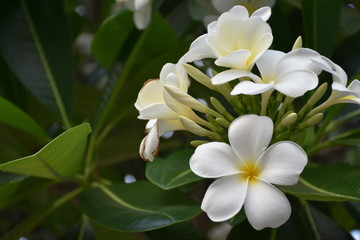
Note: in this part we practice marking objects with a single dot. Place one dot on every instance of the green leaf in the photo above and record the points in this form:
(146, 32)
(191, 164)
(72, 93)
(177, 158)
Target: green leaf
(173, 171)
(12, 192)
(333, 182)
(36, 44)
(111, 36)
(12, 115)
(321, 20)
(136, 207)
(59, 159)
(103, 233)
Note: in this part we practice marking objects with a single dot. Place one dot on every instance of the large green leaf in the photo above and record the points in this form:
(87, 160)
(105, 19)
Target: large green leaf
(136, 207)
(59, 159)
(12, 115)
(111, 36)
(321, 20)
(173, 171)
(36, 44)
(334, 182)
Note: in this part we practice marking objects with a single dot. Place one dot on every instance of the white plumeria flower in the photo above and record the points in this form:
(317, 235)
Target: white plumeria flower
(150, 102)
(142, 11)
(292, 74)
(251, 5)
(235, 40)
(152, 106)
(247, 170)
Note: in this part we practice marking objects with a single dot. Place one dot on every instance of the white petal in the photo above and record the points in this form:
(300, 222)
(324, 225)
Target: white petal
(199, 49)
(142, 16)
(224, 198)
(149, 94)
(354, 86)
(266, 206)
(228, 75)
(264, 13)
(237, 13)
(282, 163)
(296, 83)
(339, 75)
(259, 49)
(157, 110)
(249, 136)
(236, 60)
(251, 88)
(178, 107)
(213, 160)
(175, 75)
(299, 59)
(268, 61)
(149, 145)
(168, 125)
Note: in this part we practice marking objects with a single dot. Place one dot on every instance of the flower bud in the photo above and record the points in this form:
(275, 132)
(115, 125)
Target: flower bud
(197, 143)
(312, 120)
(297, 43)
(194, 128)
(199, 76)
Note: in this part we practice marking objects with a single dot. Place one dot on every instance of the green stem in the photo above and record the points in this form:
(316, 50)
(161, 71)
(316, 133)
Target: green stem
(82, 227)
(264, 101)
(311, 220)
(46, 66)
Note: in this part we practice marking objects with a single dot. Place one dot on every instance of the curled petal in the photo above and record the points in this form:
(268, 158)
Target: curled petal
(296, 83)
(282, 163)
(339, 75)
(175, 75)
(264, 13)
(231, 74)
(168, 125)
(251, 88)
(199, 49)
(249, 136)
(224, 198)
(150, 93)
(266, 206)
(157, 110)
(236, 60)
(213, 160)
(299, 59)
(149, 145)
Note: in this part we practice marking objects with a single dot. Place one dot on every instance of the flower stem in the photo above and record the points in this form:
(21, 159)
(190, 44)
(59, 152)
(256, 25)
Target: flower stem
(264, 101)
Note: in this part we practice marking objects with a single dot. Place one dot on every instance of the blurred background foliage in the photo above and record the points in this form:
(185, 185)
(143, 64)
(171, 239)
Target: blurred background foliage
(64, 63)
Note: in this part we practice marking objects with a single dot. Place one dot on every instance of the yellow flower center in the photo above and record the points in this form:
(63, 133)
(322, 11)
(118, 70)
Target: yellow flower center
(250, 171)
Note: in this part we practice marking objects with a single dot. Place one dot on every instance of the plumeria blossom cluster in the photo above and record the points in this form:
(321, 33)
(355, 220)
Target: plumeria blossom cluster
(247, 129)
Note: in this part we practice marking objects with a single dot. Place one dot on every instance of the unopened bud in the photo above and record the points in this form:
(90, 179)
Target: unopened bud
(312, 120)
(289, 119)
(197, 143)
(189, 101)
(198, 76)
(222, 122)
(297, 43)
(318, 94)
(221, 109)
(194, 128)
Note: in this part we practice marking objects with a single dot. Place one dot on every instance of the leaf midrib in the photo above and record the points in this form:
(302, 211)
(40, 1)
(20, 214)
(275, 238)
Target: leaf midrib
(46, 66)
(309, 185)
(120, 201)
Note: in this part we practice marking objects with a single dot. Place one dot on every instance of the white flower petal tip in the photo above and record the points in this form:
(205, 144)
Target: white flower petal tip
(149, 145)
(246, 169)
